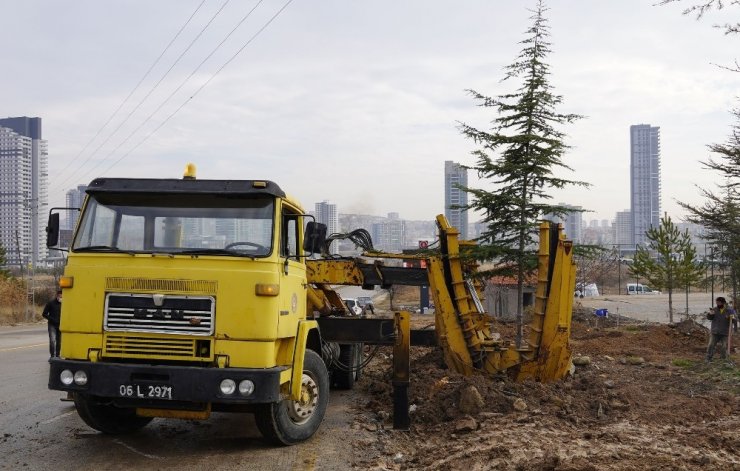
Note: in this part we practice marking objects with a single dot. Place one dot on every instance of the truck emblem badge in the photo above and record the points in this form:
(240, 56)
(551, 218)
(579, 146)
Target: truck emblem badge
(195, 321)
(158, 299)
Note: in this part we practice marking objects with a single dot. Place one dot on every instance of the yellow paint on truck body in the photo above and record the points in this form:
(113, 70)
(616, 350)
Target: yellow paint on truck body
(251, 331)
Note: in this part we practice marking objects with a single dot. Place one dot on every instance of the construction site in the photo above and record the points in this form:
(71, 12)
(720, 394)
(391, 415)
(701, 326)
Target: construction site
(641, 397)
(399, 387)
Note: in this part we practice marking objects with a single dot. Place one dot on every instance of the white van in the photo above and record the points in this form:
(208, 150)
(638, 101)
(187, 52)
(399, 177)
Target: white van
(636, 288)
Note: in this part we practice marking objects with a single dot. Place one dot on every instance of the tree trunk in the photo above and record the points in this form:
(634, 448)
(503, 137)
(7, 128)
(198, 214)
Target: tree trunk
(520, 269)
(687, 301)
(670, 305)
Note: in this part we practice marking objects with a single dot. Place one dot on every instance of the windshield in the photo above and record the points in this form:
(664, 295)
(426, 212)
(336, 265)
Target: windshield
(187, 224)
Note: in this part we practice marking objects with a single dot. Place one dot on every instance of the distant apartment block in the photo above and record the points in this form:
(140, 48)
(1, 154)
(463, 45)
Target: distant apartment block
(644, 180)
(390, 235)
(326, 213)
(572, 222)
(623, 228)
(698, 234)
(74, 199)
(23, 190)
(455, 176)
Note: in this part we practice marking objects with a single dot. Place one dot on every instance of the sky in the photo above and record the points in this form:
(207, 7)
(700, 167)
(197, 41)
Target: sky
(359, 102)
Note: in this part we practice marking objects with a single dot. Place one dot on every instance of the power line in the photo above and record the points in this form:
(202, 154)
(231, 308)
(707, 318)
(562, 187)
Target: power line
(125, 100)
(151, 90)
(182, 84)
(202, 86)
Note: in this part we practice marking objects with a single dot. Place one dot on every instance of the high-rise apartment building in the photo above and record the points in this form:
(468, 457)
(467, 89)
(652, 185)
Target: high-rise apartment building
(74, 199)
(644, 180)
(572, 222)
(456, 176)
(23, 190)
(390, 235)
(623, 228)
(326, 213)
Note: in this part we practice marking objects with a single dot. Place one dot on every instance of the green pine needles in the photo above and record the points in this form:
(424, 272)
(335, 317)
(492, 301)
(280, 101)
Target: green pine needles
(519, 157)
(669, 261)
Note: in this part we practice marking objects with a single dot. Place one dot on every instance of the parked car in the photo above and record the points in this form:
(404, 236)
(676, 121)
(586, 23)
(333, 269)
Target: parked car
(354, 307)
(637, 288)
(366, 303)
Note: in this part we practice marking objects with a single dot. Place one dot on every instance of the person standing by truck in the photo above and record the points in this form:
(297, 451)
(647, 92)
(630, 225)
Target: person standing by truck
(53, 313)
(722, 316)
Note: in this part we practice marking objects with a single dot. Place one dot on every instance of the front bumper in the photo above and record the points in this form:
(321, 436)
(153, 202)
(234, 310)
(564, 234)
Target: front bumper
(188, 384)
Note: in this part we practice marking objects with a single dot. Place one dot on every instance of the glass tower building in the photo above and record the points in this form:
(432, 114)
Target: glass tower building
(644, 180)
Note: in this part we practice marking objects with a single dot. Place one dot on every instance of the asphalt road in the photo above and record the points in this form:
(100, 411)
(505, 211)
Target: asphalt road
(39, 432)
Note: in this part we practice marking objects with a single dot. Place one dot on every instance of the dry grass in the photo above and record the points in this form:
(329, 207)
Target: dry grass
(13, 305)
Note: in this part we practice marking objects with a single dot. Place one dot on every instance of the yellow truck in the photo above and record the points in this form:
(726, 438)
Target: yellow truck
(186, 296)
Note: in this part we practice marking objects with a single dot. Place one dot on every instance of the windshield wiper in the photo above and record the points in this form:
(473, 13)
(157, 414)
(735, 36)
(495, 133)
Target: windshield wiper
(232, 253)
(101, 248)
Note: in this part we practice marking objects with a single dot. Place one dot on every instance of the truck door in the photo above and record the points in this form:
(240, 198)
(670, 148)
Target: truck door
(292, 272)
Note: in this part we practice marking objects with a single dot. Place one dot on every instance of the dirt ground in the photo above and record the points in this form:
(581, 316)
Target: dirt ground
(647, 400)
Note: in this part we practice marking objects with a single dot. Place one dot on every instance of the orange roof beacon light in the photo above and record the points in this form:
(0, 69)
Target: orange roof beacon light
(189, 172)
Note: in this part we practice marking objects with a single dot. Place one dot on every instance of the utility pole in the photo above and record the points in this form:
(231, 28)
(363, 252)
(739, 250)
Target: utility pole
(711, 260)
(619, 268)
(18, 251)
(637, 275)
(706, 281)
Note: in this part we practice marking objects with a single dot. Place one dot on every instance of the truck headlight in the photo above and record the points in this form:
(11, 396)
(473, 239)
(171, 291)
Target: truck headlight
(66, 377)
(80, 378)
(228, 386)
(246, 387)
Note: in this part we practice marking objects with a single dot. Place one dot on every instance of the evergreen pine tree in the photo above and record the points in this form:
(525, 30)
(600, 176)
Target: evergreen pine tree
(519, 158)
(675, 265)
(720, 213)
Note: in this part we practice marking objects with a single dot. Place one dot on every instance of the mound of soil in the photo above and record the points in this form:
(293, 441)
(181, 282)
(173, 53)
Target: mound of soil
(646, 400)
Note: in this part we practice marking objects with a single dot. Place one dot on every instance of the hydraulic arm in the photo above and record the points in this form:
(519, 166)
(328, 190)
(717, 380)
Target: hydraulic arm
(464, 330)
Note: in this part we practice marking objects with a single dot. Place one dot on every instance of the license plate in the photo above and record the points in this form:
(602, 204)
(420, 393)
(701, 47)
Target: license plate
(146, 391)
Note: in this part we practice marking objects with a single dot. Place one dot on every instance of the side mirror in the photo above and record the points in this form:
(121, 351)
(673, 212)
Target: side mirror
(52, 230)
(314, 237)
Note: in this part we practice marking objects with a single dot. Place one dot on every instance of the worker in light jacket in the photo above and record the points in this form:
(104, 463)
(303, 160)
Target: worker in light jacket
(723, 317)
(53, 314)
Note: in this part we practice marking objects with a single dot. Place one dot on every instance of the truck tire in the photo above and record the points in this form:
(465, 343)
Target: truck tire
(107, 418)
(359, 358)
(288, 422)
(349, 355)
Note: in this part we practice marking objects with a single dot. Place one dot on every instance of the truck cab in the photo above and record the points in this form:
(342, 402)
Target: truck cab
(186, 296)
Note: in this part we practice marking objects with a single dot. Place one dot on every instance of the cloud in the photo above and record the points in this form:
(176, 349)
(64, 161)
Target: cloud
(358, 102)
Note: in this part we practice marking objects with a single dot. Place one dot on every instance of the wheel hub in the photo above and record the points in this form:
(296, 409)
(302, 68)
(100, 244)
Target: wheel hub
(300, 411)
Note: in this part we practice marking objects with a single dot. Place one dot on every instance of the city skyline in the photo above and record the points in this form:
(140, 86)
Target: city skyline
(23, 190)
(387, 117)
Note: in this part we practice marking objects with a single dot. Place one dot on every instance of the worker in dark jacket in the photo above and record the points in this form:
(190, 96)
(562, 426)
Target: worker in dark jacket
(53, 313)
(722, 316)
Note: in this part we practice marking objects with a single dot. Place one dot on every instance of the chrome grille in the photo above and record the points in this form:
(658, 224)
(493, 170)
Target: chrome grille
(117, 345)
(170, 314)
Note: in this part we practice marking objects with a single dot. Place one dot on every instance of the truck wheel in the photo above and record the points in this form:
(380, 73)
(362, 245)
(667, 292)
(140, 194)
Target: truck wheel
(288, 422)
(353, 356)
(359, 358)
(348, 356)
(107, 418)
